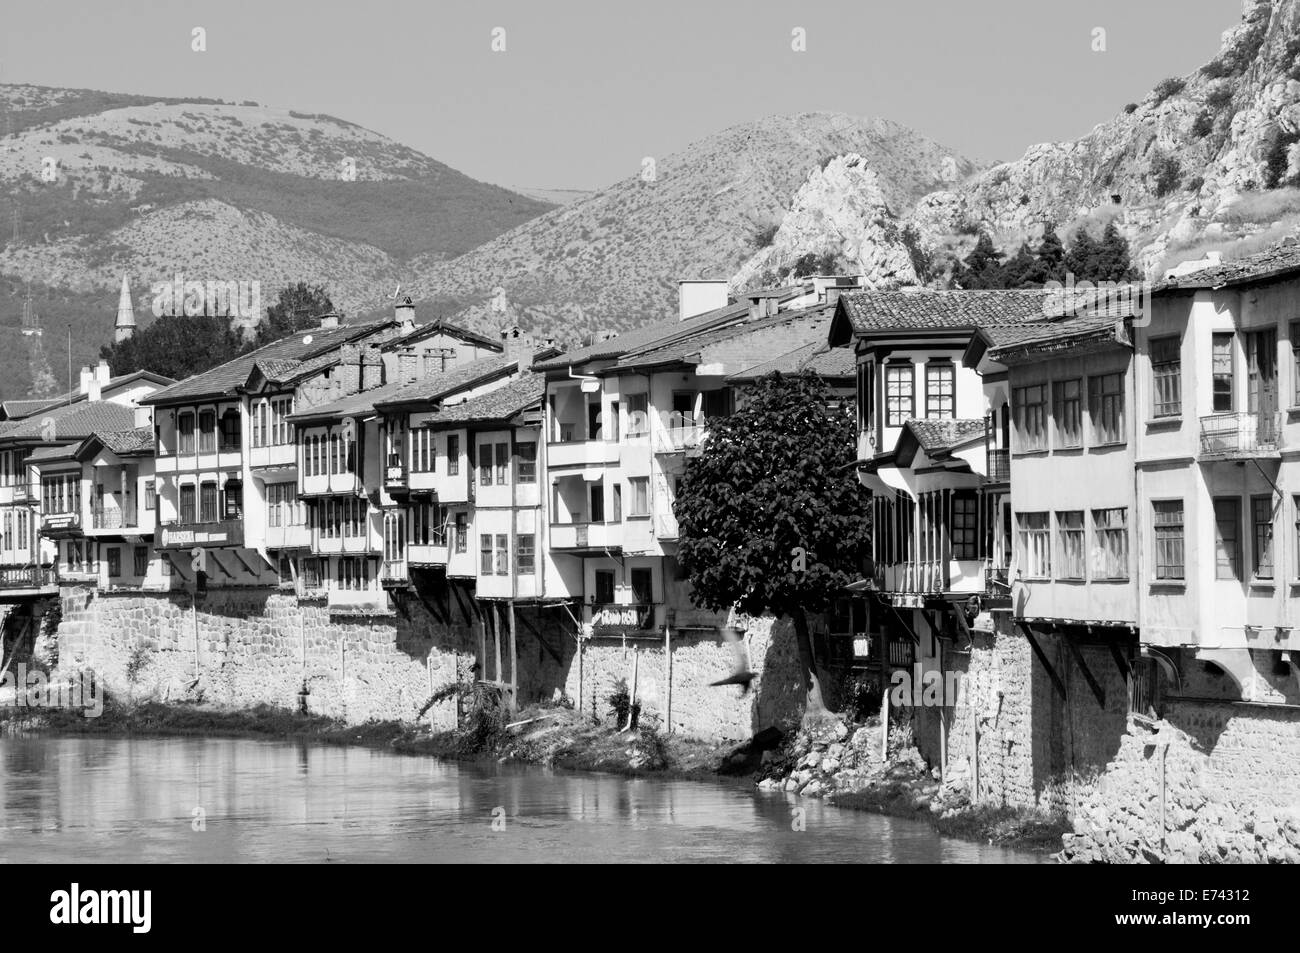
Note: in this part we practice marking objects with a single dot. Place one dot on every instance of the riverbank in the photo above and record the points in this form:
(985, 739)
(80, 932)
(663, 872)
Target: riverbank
(842, 767)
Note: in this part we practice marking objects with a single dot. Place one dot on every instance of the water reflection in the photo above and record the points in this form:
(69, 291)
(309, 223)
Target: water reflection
(140, 800)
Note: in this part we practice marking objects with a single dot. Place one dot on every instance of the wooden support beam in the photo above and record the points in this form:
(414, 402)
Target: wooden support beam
(1042, 657)
(1121, 662)
(514, 659)
(1097, 690)
(934, 630)
(903, 622)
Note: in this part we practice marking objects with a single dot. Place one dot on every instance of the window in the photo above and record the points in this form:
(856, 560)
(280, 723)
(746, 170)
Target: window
(1069, 528)
(1067, 413)
(1029, 409)
(353, 573)
(141, 555)
(866, 395)
(1035, 545)
(485, 554)
(281, 504)
(640, 489)
(642, 586)
(234, 500)
(453, 454)
(900, 398)
(503, 554)
(1166, 377)
(503, 463)
(185, 428)
(423, 450)
(207, 431)
(965, 525)
(1168, 524)
(604, 586)
(1227, 549)
(208, 503)
(1295, 362)
(261, 432)
(485, 464)
(230, 430)
(1110, 544)
(188, 514)
(1106, 408)
(462, 531)
(939, 393)
(718, 403)
(9, 530)
(638, 415)
(150, 496)
(1261, 522)
(526, 467)
(279, 430)
(1221, 372)
(114, 561)
(525, 554)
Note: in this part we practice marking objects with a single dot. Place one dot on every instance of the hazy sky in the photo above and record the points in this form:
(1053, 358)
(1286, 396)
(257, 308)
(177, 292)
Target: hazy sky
(584, 90)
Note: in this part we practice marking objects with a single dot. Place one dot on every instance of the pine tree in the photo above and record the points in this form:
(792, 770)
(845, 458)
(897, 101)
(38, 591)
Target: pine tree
(1081, 260)
(1113, 262)
(1050, 263)
(1019, 269)
(982, 267)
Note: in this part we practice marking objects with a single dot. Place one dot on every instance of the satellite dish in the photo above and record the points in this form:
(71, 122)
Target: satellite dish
(307, 339)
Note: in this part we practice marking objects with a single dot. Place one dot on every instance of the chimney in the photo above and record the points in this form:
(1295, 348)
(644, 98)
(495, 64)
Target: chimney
(404, 312)
(86, 378)
(330, 319)
(698, 297)
(519, 346)
(102, 373)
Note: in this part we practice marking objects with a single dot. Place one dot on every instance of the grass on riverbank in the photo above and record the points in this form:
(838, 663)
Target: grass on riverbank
(1021, 828)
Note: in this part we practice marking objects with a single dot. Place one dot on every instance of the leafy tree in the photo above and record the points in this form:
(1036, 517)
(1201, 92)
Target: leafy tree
(1019, 269)
(982, 267)
(770, 518)
(176, 345)
(298, 309)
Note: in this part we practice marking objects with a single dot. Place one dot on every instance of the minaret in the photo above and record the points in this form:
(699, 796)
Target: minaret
(125, 326)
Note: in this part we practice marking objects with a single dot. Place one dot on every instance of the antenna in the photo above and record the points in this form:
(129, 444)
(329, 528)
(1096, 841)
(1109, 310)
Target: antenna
(69, 365)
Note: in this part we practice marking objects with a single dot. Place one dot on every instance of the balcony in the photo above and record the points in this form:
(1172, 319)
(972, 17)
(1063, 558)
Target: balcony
(291, 536)
(666, 526)
(112, 517)
(578, 537)
(432, 555)
(686, 437)
(1238, 436)
(392, 572)
(999, 466)
(178, 535)
(586, 453)
(27, 578)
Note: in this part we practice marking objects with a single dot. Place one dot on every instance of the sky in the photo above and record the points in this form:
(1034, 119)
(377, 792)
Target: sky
(584, 90)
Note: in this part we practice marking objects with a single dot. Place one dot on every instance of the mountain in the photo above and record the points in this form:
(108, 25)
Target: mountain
(97, 185)
(1205, 161)
(611, 260)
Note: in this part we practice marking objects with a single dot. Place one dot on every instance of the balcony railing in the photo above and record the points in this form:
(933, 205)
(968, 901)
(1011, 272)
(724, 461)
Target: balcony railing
(666, 526)
(999, 466)
(111, 517)
(28, 577)
(1238, 435)
(686, 436)
(178, 535)
(393, 571)
(586, 536)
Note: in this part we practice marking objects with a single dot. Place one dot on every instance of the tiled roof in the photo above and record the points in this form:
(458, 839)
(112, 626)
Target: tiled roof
(501, 404)
(1050, 334)
(17, 409)
(685, 347)
(55, 451)
(439, 326)
(869, 311)
(816, 357)
(937, 436)
(660, 333)
(71, 422)
(127, 442)
(300, 346)
(1278, 260)
(431, 389)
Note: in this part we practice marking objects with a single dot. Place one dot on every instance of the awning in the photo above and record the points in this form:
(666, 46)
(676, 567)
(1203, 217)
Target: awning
(899, 479)
(872, 482)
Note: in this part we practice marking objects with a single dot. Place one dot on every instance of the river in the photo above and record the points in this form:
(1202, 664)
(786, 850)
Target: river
(217, 800)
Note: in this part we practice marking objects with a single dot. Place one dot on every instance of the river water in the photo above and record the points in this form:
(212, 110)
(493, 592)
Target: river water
(125, 800)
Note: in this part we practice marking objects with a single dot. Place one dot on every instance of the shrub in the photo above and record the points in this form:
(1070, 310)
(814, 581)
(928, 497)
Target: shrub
(1194, 184)
(1130, 109)
(764, 237)
(1166, 172)
(484, 724)
(136, 662)
(1168, 87)
(1219, 96)
(1203, 125)
(620, 703)
(1276, 158)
